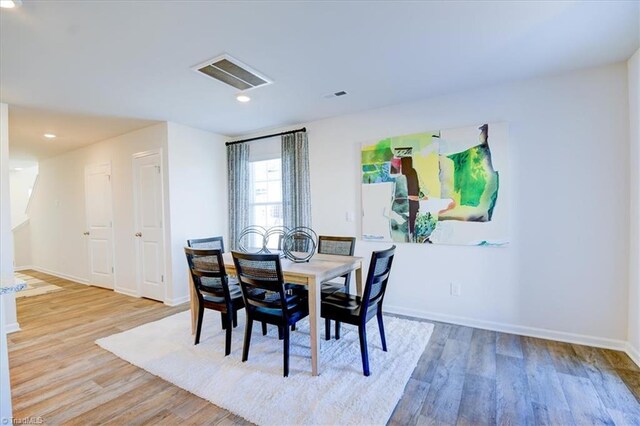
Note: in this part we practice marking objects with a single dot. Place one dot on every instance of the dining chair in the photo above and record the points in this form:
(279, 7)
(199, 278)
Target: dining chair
(213, 290)
(218, 243)
(213, 243)
(283, 304)
(343, 246)
(355, 310)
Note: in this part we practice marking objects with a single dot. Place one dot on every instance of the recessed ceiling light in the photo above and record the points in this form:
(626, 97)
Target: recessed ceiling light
(49, 136)
(241, 97)
(17, 169)
(10, 4)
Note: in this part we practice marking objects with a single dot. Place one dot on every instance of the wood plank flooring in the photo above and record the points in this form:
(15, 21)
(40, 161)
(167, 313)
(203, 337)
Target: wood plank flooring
(464, 376)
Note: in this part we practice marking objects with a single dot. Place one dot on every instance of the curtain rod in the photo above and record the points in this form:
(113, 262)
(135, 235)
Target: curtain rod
(304, 129)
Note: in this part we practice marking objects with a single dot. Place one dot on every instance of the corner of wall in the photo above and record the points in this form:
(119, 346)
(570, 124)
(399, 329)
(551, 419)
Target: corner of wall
(633, 325)
(633, 353)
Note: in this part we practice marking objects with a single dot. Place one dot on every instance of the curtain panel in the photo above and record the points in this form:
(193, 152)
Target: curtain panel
(238, 170)
(296, 194)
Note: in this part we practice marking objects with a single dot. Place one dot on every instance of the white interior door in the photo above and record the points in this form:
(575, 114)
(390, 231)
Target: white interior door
(149, 235)
(99, 230)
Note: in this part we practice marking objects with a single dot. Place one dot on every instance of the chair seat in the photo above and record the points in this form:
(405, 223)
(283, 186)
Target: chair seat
(329, 288)
(296, 300)
(341, 306)
(345, 307)
(274, 316)
(296, 289)
(342, 301)
(234, 292)
(291, 298)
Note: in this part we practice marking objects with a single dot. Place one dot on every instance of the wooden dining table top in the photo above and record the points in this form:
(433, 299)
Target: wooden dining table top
(321, 266)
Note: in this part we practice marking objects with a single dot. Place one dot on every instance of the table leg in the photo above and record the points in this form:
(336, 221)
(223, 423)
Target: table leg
(314, 324)
(193, 304)
(359, 280)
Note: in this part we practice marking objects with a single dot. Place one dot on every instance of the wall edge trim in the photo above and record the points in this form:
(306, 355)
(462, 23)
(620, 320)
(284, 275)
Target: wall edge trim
(61, 275)
(178, 301)
(23, 268)
(561, 336)
(126, 292)
(12, 328)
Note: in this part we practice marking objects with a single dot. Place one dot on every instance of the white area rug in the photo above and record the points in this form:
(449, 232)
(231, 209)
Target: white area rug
(256, 389)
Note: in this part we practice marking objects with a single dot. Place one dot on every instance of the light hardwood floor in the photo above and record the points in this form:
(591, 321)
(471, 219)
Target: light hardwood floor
(465, 375)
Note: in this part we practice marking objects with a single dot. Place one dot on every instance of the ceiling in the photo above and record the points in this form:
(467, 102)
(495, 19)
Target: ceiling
(88, 71)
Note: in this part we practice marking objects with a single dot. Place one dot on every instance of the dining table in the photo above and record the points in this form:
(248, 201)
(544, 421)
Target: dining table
(312, 273)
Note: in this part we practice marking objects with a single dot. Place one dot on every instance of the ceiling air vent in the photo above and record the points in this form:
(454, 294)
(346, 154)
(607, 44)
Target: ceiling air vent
(334, 95)
(233, 72)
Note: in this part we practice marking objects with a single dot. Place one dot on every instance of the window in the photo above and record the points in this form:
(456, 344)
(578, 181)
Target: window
(266, 195)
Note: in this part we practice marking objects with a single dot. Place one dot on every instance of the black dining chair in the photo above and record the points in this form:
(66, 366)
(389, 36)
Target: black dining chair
(218, 243)
(342, 246)
(355, 310)
(214, 243)
(213, 290)
(282, 305)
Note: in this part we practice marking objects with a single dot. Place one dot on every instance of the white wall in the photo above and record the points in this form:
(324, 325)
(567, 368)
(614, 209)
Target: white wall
(22, 246)
(634, 246)
(21, 181)
(7, 301)
(198, 194)
(564, 275)
(57, 211)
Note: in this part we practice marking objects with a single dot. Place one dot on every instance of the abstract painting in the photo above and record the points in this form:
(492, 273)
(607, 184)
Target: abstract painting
(443, 187)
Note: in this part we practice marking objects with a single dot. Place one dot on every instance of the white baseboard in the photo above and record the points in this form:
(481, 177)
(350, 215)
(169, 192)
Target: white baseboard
(633, 353)
(11, 328)
(178, 301)
(561, 336)
(23, 268)
(126, 292)
(61, 275)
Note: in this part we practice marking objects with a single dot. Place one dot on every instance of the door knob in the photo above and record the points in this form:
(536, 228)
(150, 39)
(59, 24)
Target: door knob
(138, 234)
(86, 233)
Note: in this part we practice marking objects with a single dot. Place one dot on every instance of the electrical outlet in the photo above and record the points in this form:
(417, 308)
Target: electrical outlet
(456, 289)
(350, 216)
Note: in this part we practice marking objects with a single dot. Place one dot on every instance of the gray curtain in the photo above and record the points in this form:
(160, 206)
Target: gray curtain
(239, 182)
(296, 197)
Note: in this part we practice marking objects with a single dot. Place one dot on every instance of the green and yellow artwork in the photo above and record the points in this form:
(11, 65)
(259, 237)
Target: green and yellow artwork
(436, 187)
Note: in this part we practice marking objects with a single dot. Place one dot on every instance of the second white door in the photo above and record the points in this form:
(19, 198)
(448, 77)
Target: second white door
(99, 231)
(149, 235)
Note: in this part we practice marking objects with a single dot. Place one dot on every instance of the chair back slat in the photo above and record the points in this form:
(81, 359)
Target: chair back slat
(377, 279)
(380, 275)
(207, 243)
(343, 246)
(208, 272)
(298, 243)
